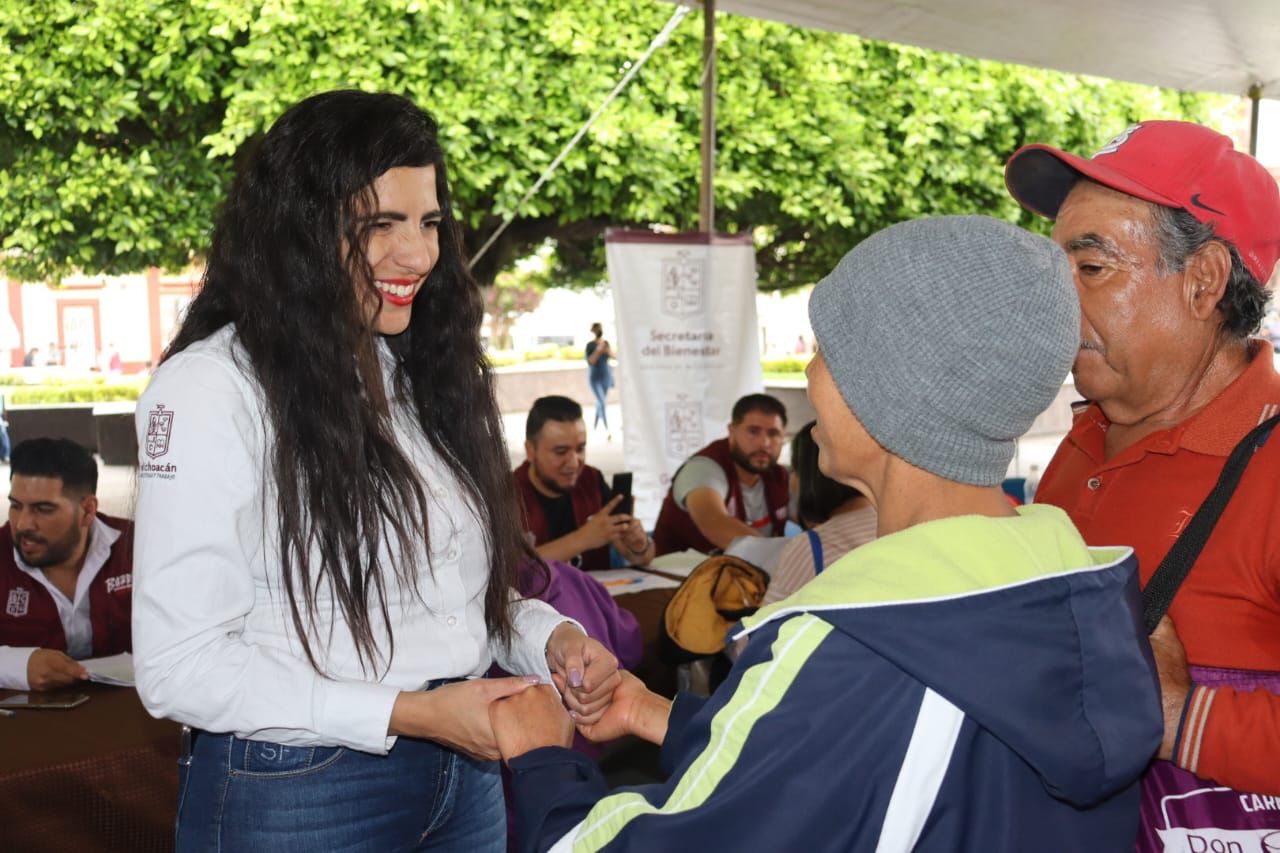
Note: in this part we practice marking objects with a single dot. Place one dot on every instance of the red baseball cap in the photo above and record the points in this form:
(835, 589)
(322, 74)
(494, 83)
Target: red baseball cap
(1171, 163)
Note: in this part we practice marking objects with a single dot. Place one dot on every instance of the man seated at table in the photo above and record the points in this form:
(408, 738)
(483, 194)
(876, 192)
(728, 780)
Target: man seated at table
(732, 487)
(568, 509)
(66, 570)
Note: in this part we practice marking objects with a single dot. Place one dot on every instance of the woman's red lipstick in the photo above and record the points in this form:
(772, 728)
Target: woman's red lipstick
(397, 299)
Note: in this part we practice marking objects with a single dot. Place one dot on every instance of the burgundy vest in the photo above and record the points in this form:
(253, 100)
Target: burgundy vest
(30, 616)
(675, 530)
(586, 497)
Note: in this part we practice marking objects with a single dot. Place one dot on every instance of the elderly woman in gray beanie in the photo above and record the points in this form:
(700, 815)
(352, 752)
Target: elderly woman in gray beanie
(974, 679)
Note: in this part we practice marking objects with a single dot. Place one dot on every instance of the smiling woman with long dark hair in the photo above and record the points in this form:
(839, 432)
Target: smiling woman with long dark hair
(326, 533)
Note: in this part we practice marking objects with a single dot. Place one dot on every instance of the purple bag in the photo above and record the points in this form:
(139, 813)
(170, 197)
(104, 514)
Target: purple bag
(1184, 813)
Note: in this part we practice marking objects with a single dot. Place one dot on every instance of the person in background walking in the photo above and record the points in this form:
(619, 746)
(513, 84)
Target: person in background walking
(599, 375)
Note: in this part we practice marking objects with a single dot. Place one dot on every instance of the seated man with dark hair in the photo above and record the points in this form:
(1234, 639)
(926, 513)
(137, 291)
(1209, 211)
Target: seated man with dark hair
(568, 509)
(732, 487)
(66, 571)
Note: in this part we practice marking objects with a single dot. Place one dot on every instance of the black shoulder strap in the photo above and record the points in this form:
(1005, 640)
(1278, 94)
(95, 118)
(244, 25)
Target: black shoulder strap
(1173, 569)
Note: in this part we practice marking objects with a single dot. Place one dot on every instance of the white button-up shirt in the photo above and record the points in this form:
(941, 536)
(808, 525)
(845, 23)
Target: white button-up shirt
(213, 639)
(74, 615)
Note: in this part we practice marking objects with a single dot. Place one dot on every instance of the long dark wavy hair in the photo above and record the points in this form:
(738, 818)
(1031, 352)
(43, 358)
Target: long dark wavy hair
(279, 272)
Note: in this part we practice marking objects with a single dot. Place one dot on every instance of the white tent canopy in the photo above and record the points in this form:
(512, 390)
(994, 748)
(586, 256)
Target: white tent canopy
(1222, 46)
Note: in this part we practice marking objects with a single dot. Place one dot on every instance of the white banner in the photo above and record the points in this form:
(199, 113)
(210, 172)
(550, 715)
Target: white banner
(685, 314)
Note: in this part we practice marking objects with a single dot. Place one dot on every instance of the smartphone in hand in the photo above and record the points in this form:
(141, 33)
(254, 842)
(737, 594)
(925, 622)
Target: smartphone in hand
(622, 486)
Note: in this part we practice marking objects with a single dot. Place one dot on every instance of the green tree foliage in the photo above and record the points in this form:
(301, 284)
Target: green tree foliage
(103, 110)
(121, 122)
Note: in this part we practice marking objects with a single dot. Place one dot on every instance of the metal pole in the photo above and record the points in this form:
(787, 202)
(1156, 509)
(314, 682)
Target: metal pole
(706, 200)
(1255, 95)
(658, 41)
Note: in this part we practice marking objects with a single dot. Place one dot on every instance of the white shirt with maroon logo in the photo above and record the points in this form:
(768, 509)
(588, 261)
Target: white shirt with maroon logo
(213, 638)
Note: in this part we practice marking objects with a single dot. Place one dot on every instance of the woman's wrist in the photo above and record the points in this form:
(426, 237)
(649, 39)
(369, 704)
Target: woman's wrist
(551, 638)
(410, 715)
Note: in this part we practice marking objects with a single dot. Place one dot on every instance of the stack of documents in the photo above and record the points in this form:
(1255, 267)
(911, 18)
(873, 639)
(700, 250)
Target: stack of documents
(117, 669)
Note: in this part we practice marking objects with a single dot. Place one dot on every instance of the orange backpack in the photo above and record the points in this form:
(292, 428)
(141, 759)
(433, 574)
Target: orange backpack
(716, 594)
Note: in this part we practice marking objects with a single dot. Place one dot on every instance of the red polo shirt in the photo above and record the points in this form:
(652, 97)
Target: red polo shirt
(1227, 612)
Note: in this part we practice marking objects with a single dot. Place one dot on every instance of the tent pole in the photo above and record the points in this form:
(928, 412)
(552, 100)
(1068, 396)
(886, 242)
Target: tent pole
(1255, 95)
(706, 194)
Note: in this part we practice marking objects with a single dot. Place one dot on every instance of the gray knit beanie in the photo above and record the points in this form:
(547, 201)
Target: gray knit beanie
(947, 337)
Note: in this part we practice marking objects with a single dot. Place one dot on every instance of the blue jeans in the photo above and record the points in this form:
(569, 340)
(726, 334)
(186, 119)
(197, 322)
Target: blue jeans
(601, 390)
(242, 795)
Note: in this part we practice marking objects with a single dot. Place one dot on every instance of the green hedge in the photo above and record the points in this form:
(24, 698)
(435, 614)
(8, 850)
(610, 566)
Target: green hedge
(789, 364)
(93, 392)
(18, 380)
(504, 358)
(548, 352)
(543, 352)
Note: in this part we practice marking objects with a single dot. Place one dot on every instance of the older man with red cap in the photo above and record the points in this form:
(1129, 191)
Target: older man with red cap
(1172, 236)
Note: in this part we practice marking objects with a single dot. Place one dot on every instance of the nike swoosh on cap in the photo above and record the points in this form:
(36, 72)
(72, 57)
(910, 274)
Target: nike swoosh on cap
(1195, 200)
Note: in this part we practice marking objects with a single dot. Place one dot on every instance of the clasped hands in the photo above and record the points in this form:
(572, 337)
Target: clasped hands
(536, 718)
(457, 715)
(542, 715)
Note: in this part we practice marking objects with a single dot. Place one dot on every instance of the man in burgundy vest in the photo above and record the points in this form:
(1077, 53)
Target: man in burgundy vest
(732, 487)
(568, 509)
(66, 572)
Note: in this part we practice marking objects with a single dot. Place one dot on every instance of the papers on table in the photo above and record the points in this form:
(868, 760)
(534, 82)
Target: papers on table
(678, 563)
(626, 581)
(117, 669)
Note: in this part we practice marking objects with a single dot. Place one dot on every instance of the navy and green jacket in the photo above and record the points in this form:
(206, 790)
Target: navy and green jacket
(966, 684)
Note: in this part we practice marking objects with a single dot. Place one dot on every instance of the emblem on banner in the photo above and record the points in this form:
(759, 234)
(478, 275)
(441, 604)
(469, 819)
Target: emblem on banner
(684, 427)
(159, 428)
(19, 598)
(683, 282)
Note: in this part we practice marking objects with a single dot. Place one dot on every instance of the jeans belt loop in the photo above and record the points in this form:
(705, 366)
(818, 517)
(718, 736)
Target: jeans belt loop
(186, 741)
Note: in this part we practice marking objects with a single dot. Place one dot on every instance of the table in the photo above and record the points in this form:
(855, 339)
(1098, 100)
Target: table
(648, 606)
(100, 777)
